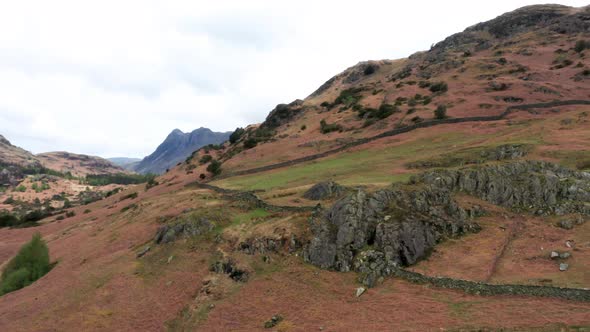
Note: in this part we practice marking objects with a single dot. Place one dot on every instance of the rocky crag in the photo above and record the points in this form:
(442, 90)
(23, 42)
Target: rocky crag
(374, 234)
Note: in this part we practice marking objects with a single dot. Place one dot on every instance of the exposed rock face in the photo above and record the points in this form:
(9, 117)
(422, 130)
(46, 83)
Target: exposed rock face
(10, 176)
(177, 147)
(186, 228)
(324, 190)
(373, 234)
(270, 244)
(535, 186)
(229, 267)
(282, 113)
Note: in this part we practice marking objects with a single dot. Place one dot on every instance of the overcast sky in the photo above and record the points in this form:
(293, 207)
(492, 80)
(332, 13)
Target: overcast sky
(113, 78)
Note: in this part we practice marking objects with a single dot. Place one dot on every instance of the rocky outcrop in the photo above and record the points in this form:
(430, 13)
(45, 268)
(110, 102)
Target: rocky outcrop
(539, 187)
(282, 114)
(324, 190)
(183, 228)
(230, 267)
(375, 233)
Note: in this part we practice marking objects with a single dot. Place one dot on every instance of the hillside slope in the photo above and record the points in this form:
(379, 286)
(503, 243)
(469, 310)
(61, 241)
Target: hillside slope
(177, 147)
(477, 217)
(78, 164)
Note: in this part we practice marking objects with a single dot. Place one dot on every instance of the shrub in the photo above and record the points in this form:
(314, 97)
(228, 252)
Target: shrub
(236, 135)
(439, 87)
(581, 45)
(152, 183)
(329, 127)
(427, 100)
(21, 188)
(7, 219)
(9, 200)
(87, 211)
(30, 264)
(214, 167)
(303, 127)
(349, 97)
(424, 84)
(370, 69)
(250, 143)
(70, 214)
(205, 159)
(202, 176)
(129, 196)
(326, 104)
(440, 112)
(62, 217)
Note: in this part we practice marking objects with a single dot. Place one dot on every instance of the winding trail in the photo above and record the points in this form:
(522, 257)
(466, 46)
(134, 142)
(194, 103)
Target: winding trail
(403, 130)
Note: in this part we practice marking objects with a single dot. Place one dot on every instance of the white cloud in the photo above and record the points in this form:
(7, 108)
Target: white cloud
(115, 77)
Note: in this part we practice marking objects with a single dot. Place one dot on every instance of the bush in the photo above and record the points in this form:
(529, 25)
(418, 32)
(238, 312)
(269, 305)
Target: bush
(439, 87)
(152, 183)
(326, 104)
(250, 143)
(328, 128)
(581, 45)
(62, 217)
(303, 127)
(7, 219)
(236, 135)
(129, 196)
(440, 112)
(30, 264)
(87, 211)
(9, 200)
(202, 176)
(349, 97)
(214, 167)
(70, 214)
(205, 159)
(21, 188)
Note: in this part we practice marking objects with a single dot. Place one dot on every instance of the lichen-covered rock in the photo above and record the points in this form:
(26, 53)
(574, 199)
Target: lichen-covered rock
(372, 234)
(534, 186)
(229, 266)
(187, 228)
(324, 190)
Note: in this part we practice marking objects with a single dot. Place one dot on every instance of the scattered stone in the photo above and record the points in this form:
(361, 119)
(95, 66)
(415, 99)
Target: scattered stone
(229, 267)
(170, 259)
(324, 190)
(554, 255)
(565, 255)
(566, 224)
(360, 291)
(187, 227)
(568, 244)
(144, 251)
(276, 319)
(563, 267)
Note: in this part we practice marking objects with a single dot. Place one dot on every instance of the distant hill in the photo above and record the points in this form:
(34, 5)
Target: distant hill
(78, 164)
(127, 163)
(177, 147)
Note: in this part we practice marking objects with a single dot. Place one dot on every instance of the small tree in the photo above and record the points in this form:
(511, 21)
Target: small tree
(250, 143)
(440, 112)
(214, 167)
(236, 135)
(30, 264)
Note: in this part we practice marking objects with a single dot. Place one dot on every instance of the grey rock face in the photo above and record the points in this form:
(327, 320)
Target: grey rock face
(373, 234)
(324, 190)
(186, 228)
(535, 186)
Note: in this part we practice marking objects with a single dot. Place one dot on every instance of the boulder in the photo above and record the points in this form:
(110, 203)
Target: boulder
(563, 267)
(566, 224)
(360, 291)
(187, 228)
(324, 190)
(554, 255)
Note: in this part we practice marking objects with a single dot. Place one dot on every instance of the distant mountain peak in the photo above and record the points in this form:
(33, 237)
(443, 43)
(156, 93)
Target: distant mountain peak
(177, 146)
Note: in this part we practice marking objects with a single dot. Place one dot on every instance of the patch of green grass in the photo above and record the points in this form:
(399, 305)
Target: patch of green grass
(349, 168)
(577, 159)
(253, 215)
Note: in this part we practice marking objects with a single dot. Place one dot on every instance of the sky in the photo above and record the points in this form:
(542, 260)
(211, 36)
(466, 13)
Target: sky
(113, 78)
